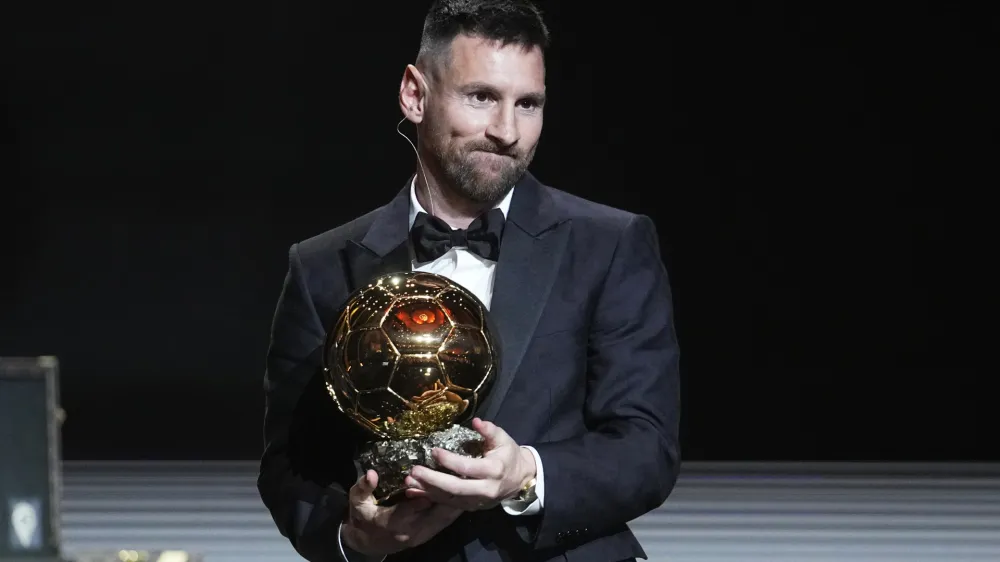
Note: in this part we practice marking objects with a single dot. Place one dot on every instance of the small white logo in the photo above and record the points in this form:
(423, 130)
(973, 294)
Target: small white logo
(24, 522)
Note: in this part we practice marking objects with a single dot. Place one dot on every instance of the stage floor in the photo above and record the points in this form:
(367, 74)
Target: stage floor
(719, 512)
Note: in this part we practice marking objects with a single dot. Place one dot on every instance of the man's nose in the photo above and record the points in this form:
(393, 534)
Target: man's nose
(503, 130)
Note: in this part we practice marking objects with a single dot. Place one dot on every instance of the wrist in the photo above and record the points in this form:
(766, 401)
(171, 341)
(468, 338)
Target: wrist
(529, 470)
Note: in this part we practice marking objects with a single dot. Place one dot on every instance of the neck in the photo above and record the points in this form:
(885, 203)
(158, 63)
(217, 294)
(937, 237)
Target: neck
(445, 202)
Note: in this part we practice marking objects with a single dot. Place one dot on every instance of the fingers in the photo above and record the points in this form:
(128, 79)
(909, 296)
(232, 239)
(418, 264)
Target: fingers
(494, 436)
(404, 515)
(417, 506)
(439, 497)
(451, 490)
(382, 530)
(416, 493)
(365, 486)
(429, 480)
(431, 522)
(470, 467)
(408, 508)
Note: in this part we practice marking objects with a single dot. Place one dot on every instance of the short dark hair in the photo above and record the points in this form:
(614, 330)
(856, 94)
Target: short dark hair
(517, 22)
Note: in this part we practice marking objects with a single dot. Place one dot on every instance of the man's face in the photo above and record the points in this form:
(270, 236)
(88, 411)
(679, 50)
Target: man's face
(484, 116)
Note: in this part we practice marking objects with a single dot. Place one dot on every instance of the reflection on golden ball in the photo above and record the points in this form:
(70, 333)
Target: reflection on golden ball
(410, 354)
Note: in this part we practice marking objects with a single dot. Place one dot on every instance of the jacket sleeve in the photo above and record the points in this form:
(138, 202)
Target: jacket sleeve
(307, 467)
(627, 462)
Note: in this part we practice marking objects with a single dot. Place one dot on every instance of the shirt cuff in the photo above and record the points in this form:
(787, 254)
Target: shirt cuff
(513, 507)
(353, 556)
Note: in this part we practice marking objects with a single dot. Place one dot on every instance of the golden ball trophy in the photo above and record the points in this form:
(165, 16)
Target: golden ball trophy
(410, 358)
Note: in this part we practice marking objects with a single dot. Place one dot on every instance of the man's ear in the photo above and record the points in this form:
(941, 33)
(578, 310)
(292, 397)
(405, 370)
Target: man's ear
(413, 94)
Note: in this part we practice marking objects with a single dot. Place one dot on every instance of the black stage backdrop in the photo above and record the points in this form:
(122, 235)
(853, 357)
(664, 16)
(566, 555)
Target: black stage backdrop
(812, 170)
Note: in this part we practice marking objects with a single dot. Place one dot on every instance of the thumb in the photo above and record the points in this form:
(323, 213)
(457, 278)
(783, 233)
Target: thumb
(365, 486)
(492, 434)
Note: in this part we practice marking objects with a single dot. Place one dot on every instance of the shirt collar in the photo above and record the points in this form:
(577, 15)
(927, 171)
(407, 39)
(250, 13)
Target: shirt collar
(415, 207)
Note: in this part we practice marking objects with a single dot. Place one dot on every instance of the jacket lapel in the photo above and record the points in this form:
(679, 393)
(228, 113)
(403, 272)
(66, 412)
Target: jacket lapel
(384, 248)
(531, 251)
(364, 264)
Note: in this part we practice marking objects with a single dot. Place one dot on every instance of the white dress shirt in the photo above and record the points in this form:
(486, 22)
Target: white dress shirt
(475, 274)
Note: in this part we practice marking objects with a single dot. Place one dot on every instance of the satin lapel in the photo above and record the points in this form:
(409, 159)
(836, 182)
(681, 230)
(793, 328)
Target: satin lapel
(384, 248)
(363, 264)
(530, 255)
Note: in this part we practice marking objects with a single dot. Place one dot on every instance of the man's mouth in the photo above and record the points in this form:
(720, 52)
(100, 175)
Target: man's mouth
(494, 154)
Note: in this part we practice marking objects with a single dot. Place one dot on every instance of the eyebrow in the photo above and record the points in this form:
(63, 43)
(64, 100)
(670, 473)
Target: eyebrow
(538, 98)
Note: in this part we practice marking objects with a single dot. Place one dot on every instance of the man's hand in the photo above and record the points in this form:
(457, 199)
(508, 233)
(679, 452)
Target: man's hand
(481, 483)
(379, 531)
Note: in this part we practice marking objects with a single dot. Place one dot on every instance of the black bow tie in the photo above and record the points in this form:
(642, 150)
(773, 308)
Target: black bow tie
(432, 237)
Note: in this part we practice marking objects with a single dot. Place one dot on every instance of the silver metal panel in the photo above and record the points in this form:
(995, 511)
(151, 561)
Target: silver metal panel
(726, 512)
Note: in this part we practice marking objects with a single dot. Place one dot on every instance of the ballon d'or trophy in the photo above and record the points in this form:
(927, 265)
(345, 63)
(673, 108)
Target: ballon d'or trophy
(410, 359)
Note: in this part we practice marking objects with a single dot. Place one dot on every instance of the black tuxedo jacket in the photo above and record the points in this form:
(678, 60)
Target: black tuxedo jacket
(589, 377)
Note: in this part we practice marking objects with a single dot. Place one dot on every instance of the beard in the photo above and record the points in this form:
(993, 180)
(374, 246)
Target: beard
(481, 171)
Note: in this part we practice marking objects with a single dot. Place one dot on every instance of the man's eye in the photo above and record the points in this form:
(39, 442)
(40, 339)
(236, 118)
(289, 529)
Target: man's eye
(481, 97)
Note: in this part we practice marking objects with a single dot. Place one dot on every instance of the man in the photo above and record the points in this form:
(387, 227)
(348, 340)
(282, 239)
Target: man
(582, 423)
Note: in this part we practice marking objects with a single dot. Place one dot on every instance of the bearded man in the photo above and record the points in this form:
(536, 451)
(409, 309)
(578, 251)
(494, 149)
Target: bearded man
(581, 428)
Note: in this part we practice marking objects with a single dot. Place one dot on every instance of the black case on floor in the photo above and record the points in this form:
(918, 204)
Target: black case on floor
(30, 459)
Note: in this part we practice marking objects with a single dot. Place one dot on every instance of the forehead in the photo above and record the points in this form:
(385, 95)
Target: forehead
(474, 59)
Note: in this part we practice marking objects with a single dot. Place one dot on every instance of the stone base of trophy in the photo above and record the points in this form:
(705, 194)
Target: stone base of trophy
(393, 459)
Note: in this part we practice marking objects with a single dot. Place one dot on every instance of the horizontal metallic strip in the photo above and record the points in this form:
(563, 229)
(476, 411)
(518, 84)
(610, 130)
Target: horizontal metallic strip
(719, 512)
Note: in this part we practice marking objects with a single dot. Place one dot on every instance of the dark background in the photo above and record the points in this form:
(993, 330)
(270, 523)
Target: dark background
(819, 176)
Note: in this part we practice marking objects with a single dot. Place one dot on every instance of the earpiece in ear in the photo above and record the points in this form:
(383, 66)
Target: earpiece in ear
(420, 162)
